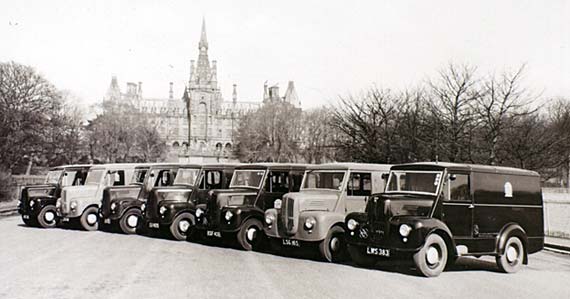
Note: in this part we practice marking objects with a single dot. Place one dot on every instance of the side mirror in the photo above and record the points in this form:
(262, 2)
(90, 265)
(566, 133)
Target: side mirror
(65, 174)
(452, 177)
(366, 199)
(385, 176)
(152, 174)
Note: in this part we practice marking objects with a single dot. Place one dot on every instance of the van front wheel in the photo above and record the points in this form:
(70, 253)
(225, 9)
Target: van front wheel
(130, 221)
(333, 247)
(511, 260)
(89, 219)
(432, 258)
(181, 226)
(47, 217)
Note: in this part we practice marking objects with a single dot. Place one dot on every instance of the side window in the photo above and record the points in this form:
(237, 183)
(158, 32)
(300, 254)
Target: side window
(277, 182)
(457, 188)
(164, 179)
(359, 184)
(213, 179)
(119, 178)
(297, 178)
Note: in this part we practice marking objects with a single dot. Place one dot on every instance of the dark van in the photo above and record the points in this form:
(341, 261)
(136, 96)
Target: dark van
(434, 212)
(172, 208)
(121, 205)
(237, 213)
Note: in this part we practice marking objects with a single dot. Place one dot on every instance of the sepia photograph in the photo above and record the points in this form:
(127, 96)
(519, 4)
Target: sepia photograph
(284, 149)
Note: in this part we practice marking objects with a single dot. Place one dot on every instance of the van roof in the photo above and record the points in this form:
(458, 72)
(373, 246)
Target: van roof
(71, 166)
(222, 165)
(168, 165)
(466, 167)
(350, 166)
(268, 165)
(117, 166)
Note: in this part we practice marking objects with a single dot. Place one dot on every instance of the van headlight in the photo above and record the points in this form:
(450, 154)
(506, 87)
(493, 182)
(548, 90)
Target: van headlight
(143, 207)
(32, 203)
(405, 230)
(352, 224)
(310, 223)
(199, 212)
(113, 206)
(228, 215)
(162, 210)
(269, 219)
(58, 203)
(277, 204)
(73, 205)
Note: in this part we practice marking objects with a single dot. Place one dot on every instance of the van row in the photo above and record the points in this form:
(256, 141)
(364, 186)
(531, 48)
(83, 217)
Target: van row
(427, 214)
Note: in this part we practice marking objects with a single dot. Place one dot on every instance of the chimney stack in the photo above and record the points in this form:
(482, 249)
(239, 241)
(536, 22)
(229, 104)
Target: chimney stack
(170, 91)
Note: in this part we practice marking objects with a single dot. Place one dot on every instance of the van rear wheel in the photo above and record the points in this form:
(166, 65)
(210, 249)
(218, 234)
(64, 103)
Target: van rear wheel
(130, 220)
(333, 247)
(512, 258)
(47, 217)
(432, 258)
(89, 219)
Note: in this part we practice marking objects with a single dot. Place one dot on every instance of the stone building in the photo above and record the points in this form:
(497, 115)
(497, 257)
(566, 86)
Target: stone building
(212, 120)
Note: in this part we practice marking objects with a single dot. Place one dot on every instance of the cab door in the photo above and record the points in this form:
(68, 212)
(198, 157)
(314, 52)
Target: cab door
(359, 187)
(457, 206)
(277, 183)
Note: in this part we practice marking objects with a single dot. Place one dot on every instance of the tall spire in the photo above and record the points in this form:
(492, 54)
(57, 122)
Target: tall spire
(203, 39)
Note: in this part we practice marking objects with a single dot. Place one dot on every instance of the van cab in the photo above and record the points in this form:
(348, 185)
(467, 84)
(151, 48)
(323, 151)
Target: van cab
(172, 208)
(81, 203)
(431, 213)
(236, 214)
(121, 205)
(314, 216)
(37, 202)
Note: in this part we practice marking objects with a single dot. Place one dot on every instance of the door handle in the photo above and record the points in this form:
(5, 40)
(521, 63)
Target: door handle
(471, 206)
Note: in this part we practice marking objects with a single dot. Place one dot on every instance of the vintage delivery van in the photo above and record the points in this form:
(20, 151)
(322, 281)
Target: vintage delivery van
(37, 202)
(432, 213)
(172, 208)
(121, 205)
(81, 203)
(237, 214)
(314, 216)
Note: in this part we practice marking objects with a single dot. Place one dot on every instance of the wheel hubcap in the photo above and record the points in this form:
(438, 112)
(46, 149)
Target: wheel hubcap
(184, 225)
(432, 255)
(133, 220)
(91, 219)
(49, 216)
(251, 232)
(512, 254)
(335, 244)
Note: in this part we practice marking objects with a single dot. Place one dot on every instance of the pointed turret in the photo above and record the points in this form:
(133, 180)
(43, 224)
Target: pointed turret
(203, 39)
(114, 92)
(234, 95)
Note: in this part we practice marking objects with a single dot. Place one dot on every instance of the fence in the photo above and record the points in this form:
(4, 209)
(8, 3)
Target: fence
(556, 212)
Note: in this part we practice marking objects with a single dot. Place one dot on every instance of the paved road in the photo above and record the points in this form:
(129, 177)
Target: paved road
(61, 263)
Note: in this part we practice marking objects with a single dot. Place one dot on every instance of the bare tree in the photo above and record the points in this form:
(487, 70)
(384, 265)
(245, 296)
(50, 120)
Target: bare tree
(318, 136)
(453, 95)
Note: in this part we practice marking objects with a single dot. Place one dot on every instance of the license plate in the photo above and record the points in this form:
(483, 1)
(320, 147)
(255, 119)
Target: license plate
(153, 225)
(378, 251)
(26, 216)
(289, 242)
(212, 233)
(65, 219)
(107, 221)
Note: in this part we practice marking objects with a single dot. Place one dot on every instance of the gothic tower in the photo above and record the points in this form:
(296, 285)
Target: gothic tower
(203, 98)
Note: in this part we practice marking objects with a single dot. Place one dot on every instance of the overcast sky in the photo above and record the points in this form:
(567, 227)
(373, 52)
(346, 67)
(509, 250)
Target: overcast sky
(328, 48)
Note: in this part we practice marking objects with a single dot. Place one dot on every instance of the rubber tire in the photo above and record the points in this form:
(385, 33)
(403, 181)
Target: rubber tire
(242, 238)
(359, 258)
(42, 222)
(327, 252)
(502, 260)
(29, 222)
(420, 257)
(83, 219)
(175, 232)
(123, 222)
